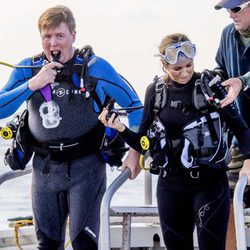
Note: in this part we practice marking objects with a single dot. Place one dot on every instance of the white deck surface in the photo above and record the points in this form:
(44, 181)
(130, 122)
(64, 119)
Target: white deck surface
(143, 230)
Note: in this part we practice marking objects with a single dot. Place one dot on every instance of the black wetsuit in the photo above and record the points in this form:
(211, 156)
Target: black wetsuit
(187, 198)
(69, 180)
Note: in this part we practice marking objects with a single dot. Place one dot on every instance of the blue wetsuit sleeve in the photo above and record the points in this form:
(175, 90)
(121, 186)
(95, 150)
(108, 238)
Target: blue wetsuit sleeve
(220, 58)
(16, 90)
(111, 84)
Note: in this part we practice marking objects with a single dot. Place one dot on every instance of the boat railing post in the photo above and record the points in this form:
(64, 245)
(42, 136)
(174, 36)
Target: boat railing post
(126, 231)
(9, 175)
(239, 213)
(147, 188)
(104, 237)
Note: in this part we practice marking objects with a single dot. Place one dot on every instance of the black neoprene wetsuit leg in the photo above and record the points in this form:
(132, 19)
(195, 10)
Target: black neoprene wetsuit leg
(184, 202)
(46, 243)
(55, 196)
(84, 242)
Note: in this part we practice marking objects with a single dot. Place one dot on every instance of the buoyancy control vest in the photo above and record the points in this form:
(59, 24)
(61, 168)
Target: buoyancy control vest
(204, 139)
(99, 138)
(156, 140)
(205, 143)
(20, 151)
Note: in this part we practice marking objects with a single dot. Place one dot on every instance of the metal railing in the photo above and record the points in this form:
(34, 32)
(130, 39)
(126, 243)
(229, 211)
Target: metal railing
(239, 213)
(104, 238)
(14, 174)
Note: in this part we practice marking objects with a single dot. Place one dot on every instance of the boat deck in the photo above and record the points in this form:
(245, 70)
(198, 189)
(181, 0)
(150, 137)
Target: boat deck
(130, 227)
(145, 230)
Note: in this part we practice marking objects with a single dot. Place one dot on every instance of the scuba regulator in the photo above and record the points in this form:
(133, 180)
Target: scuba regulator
(9, 130)
(118, 111)
(113, 147)
(209, 90)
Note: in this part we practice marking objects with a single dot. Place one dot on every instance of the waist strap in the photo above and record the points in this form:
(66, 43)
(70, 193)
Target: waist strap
(172, 144)
(63, 146)
(72, 153)
(70, 149)
(203, 152)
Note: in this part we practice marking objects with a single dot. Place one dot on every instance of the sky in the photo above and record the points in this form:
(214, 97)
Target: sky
(126, 33)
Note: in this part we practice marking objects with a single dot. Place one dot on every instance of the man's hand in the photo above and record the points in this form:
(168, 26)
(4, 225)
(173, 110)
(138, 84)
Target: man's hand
(234, 86)
(46, 75)
(246, 170)
(132, 162)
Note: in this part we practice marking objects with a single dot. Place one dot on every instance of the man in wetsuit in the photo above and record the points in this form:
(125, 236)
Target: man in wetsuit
(233, 62)
(69, 177)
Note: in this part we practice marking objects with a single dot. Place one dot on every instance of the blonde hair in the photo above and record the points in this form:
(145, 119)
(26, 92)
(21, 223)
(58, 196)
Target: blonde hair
(52, 17)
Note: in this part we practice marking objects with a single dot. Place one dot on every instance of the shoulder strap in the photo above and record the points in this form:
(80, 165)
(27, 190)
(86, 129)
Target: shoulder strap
(87, 83)
(161, 94)
(86, 52)
(213, 134)
(37, 60)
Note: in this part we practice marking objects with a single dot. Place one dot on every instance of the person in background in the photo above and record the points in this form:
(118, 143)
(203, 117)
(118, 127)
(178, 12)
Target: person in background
(65, 92)
(179, 127)
(233, 62)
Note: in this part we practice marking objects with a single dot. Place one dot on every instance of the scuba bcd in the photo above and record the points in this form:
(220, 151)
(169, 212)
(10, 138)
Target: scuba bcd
(205, 143)
(154, 144)
(23, 144)
(19, 153)
(157, 145)
(112, 147)
(9, 130)
(204, 140)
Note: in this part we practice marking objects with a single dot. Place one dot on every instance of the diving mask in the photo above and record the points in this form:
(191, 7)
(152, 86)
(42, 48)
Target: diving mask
(172, 52)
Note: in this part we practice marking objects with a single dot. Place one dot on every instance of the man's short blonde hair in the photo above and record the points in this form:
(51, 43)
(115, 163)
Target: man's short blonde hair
(53, 17)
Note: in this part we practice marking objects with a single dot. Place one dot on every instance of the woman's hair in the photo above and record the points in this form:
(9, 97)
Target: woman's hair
(172, 39)
(52, 17)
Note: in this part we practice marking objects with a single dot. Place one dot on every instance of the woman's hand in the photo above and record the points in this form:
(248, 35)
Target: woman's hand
(132, 162)
(234, 87)
(112, 122)
(246, 170)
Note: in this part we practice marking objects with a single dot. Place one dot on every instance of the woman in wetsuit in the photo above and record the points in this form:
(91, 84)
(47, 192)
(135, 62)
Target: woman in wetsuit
(189, 192)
